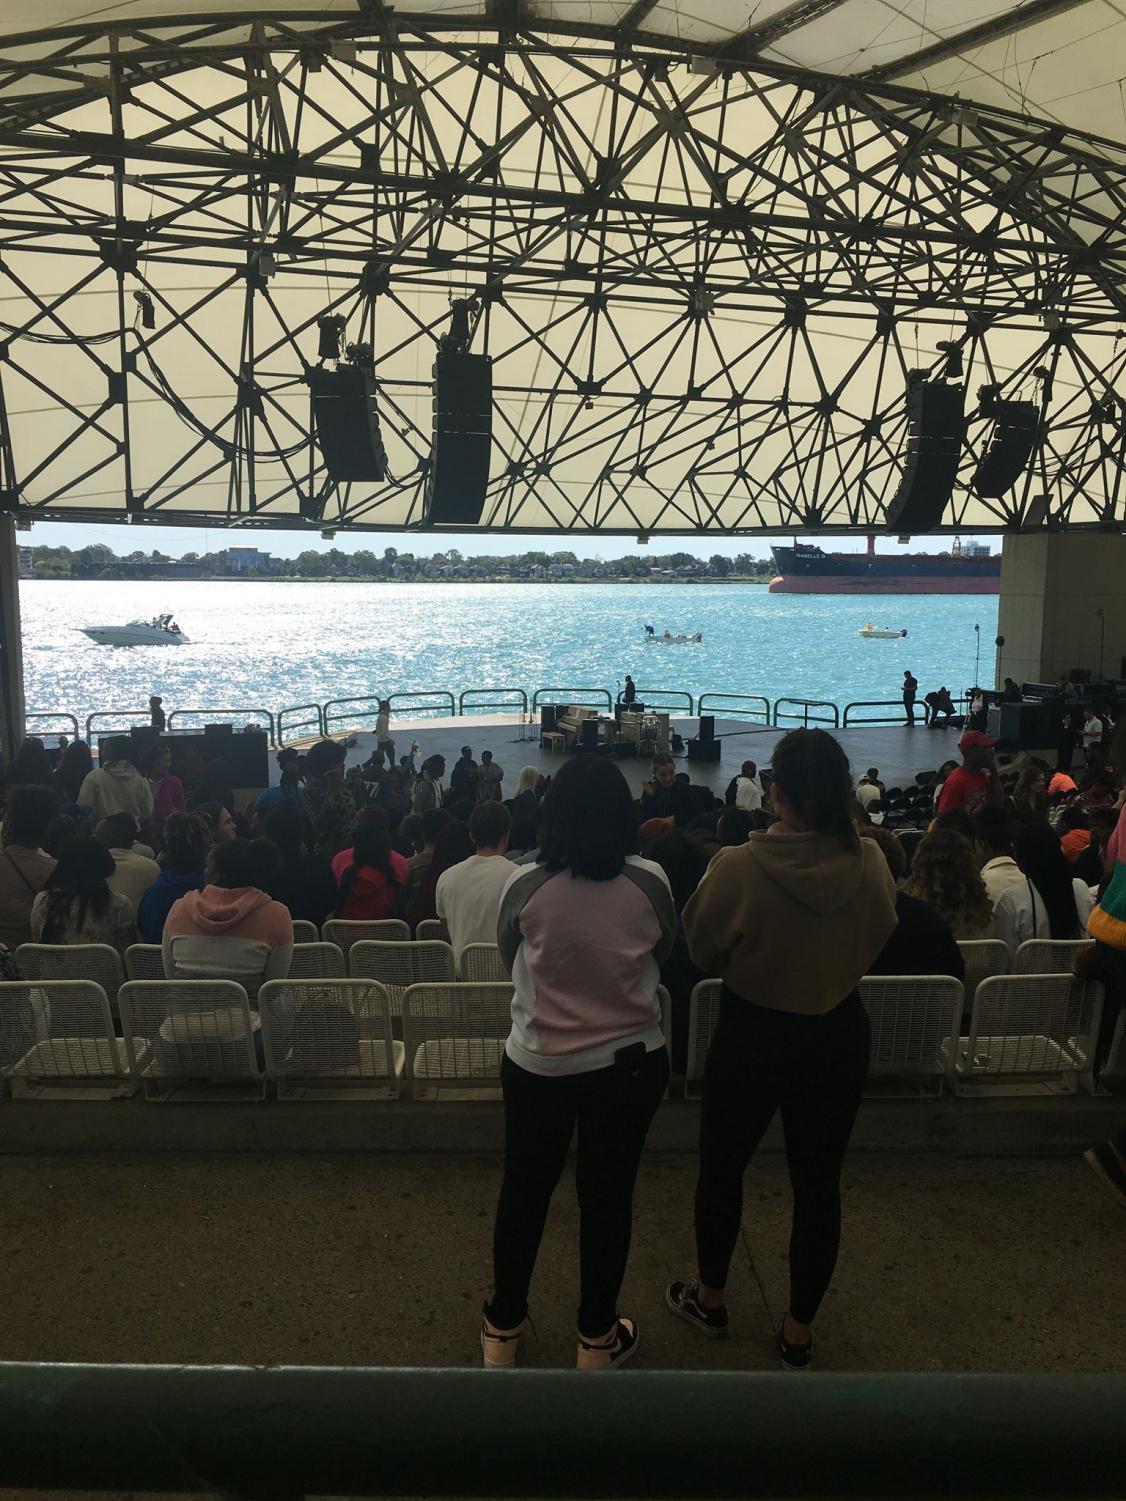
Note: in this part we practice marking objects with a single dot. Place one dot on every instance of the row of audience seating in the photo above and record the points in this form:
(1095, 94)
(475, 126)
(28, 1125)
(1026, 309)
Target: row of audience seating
(371, 1018)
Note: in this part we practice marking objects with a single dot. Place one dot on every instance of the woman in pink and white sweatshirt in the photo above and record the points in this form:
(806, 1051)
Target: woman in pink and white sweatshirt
(231, 930)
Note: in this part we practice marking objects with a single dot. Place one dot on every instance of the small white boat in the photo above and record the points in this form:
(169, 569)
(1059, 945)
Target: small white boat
(872, 632)
(162, 630)
(668, 639)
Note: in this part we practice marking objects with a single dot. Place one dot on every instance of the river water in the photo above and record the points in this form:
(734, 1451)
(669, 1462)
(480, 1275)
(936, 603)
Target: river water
(274, 644)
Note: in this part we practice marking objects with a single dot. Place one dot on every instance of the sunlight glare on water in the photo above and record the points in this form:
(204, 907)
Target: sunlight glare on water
(270, 645)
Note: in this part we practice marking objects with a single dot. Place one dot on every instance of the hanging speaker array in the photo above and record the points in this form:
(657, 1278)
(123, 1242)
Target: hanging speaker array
(936, 429)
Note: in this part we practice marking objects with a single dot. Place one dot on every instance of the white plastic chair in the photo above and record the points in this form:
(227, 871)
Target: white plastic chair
(317, 961)
(983, 957)
(481, 964)
(1029, 1034)
(913, 1019)
(398, 965)
(344, 933)
(305, 932)
(330, 1039)
(144, 961)
(429, 930)
(200, 1038)
(73, 961)
(454, 1035)
(1049, 956)
(703, 1014)
(57, 1041)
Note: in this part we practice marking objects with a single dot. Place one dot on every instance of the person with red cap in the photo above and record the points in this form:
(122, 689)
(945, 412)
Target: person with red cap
(975, 783)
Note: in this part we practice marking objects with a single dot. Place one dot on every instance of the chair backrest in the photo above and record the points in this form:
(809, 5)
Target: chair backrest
(317, 961)
(59, 1029)
(1032, 1024)
(144, 961)
(454, 1034)
(305, 932)
(194, 1029)
(703, 1014)
(72, 961)
(398, 965)
(345, 933)
(429, 930)
(1049, 956)
(912, 1016)
(325, 1029)
(481, 964)
(983, 957)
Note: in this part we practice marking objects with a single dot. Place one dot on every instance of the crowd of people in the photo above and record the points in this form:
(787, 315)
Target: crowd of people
(790, 888)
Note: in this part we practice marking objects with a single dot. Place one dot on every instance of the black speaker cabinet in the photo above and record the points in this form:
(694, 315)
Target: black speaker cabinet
(463, 436)
(936, 426)
(704, 750)
(589, 735)
(549, 717)
(706, 733)
(348, 424)
(1010, 448)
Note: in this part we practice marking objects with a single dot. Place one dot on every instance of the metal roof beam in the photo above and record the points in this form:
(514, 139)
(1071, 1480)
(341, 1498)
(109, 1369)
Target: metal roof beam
(637, 13)
(974, 36)
(755, 38)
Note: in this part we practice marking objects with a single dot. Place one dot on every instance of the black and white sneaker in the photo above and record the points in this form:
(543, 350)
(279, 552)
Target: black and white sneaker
(683, 1299)
(793, 1357)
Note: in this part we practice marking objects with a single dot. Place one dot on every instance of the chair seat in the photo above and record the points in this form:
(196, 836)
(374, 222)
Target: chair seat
(76, 1057)
(459, 1058)
(1017, 1052)
(202, 1043)
(368, 1062)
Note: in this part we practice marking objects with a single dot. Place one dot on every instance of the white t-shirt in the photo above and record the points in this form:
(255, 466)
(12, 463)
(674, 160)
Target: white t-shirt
(1020, 913)
(468, 897)
(748, 794)
(868, 792)
(1092, 731)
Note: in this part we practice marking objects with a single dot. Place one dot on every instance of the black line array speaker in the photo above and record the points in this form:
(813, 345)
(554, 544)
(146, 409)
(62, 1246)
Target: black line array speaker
(348, 424)
(463, 437)
(1009, 450)
(936, 427)
(706, 733)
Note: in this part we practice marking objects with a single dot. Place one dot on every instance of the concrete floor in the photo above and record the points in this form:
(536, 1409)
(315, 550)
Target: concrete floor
(949, 1264)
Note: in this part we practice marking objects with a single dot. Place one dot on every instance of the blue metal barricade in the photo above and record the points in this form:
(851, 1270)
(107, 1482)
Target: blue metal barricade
(649, 697)
(520, 706)
(897, 713)
(710, 703)
(316, 723)
(227, 714)
(596, 698)
(30, 714)
(135, 716)
(805, 717)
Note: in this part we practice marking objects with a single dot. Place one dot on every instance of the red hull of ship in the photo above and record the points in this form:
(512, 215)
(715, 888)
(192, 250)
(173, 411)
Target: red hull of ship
(887, 584)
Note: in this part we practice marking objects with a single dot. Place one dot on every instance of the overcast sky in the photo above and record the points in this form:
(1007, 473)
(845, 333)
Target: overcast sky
(177, 540)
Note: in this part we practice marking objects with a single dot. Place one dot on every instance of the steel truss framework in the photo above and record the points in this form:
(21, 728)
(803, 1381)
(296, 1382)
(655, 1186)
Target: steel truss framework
(703, 281)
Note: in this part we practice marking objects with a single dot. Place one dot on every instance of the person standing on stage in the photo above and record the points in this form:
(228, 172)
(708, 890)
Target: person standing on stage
(910, 689)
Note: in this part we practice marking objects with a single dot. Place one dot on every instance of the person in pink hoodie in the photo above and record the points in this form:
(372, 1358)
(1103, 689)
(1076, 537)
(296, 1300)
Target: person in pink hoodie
(231, 930)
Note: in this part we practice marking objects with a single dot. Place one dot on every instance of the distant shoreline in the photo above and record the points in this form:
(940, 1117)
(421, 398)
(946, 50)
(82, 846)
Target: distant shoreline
(285, 578)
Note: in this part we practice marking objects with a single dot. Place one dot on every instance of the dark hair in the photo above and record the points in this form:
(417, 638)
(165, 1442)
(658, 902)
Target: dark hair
(209, 812)
(945, 874)
(486, 755)
(462, 810)
(153, 755)
(453, 846)
(1039, 855)
(118, 748)
(991, 827)
(489, 823)
(435, 765)
(284, 827)
(733, 827)
(75, 765)
(186, 838)
(431, 823)
(683, 860)
(589, 821)
(31, 764)
(893, 851)
(370, 851)
(324, 756)
(117, 831)
(79, 876)
(956, 821)
(813, 772)
(1074, 817)
(242, 862)
(28, 815)
(61, 827)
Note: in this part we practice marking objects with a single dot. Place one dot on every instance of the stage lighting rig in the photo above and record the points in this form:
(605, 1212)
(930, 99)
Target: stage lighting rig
(330, 329)
(145, 308)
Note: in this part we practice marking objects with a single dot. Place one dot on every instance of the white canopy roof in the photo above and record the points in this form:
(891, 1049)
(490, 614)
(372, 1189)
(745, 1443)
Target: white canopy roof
(703, 273)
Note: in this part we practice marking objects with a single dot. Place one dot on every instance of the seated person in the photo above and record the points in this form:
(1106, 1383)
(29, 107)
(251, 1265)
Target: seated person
(25, 865)
(370, 875)
(187, 839)
(77, 905)
(663, 796)
(231, 930)
(431, 825)
(133, 870)
(923, 942)
(302, 882)
(467, 896)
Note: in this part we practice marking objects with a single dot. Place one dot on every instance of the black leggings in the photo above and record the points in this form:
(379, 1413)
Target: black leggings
(612, 1108)
(812, 1068)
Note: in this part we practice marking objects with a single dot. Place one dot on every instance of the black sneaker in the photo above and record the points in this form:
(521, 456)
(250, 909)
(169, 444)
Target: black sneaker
(793, 1357)
(683, 1300)
(1103, 1162)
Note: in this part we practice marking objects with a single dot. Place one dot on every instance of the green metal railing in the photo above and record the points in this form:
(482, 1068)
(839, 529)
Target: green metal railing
(316, 723)
(31, 714)
(289, 1431)
(709, 703)
(870, 703)
(805, 704)
(597, 698)
(648, 697)
(136, 716)
(228, 714)
(521, 705)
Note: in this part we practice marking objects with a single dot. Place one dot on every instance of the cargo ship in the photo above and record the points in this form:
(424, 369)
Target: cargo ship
(806, 569)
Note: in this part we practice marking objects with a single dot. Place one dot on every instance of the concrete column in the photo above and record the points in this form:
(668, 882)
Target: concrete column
(1052, 587)
(11, 642)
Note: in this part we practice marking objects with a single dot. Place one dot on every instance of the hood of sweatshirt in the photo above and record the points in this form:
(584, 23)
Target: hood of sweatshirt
(813, 869)
(217, 909)
(123, 771)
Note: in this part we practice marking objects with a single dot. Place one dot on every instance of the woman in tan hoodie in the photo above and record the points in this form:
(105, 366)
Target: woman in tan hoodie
(791, 920)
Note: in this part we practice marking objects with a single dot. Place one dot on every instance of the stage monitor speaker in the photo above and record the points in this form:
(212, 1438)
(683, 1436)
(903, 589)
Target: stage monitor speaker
(589, 740)
(704, 750)
(936, 426)
(463, 437)
(549, 717)
(1009, 450)
(706, 733)
(348, 424)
